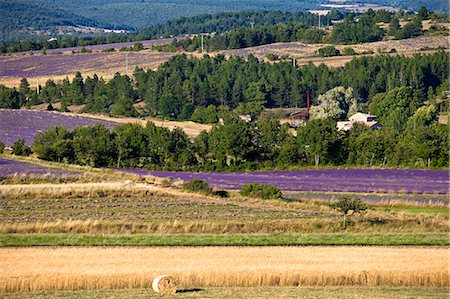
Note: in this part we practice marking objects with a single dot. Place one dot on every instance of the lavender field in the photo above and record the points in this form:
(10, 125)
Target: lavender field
(326, 180)
(15, 124)
(146, 43)
(117, 46)
(32, 66)
(10, 168)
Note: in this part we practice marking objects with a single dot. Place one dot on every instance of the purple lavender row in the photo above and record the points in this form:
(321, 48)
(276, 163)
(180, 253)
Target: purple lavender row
(10, 168)
(56, 65)
(149, 42)
(337, 180)
(26, 124)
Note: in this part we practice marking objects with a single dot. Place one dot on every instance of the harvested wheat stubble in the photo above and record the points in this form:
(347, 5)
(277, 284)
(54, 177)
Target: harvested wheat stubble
(164, 284)
(66, 268)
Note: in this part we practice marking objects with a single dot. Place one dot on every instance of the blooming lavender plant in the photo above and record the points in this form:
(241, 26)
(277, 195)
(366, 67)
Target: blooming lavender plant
(11, 168)
(15, 124)
(325, 180)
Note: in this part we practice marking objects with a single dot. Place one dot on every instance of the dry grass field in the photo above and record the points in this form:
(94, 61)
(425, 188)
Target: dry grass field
(145, 207)
(39, 68)
(306, 52)
(65, 268)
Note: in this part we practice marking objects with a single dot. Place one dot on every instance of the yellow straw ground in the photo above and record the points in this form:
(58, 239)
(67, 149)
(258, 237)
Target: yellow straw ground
(66, 268)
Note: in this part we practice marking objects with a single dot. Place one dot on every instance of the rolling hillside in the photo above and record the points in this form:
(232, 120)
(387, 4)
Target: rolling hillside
(142, 13)
(49, 18)
(21, 19)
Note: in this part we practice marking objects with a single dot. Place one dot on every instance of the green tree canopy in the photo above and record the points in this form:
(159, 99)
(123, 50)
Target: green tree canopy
(338, 103)
(394, 108)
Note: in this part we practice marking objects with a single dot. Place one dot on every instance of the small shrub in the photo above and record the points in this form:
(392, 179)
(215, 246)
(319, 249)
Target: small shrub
(198, 186)
(167, 182)
(346, 204)
(348, 51)
(137, 47)
(20, 148)
(221, 193)
(261, 191)
(206, 115)
(272, 56)
(328, 51)
(2, 147)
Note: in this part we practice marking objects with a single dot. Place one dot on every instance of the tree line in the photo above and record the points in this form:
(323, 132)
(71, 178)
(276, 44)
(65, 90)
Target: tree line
(265, 144)
(234, 30)
(247, 37)
(219, 22)
(184, 84)
(21, 19)
(354, 28)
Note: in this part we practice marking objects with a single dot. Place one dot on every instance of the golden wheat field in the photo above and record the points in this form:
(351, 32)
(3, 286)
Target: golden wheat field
(68, 268)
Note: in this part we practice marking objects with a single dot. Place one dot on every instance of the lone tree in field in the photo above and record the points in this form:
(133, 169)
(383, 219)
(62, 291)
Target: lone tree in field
(345, 205)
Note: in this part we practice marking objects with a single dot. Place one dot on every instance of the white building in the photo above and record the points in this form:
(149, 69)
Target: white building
(362, 118)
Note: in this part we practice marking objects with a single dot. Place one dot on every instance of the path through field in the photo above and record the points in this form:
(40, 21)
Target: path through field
(67, 268)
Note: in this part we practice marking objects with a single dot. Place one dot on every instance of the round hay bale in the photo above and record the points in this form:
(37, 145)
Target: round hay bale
(164, 284)
(128, 183)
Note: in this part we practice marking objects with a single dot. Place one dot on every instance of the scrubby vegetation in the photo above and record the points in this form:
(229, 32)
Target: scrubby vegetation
(19, 148)
(198, 186)
(328, 51)
(261, 191)
(345, 205)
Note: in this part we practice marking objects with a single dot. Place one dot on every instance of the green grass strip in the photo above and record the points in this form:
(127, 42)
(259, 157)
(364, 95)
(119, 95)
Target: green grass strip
(8, 240)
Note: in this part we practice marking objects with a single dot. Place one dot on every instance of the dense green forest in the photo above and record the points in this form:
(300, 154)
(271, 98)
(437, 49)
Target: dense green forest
(233, 30)
(248, 37)
(220, 22)
(184, 84)
(140, 14)
(143, 13)
(361, 28)
(20, 19)
(223, 22)
(15, 38)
